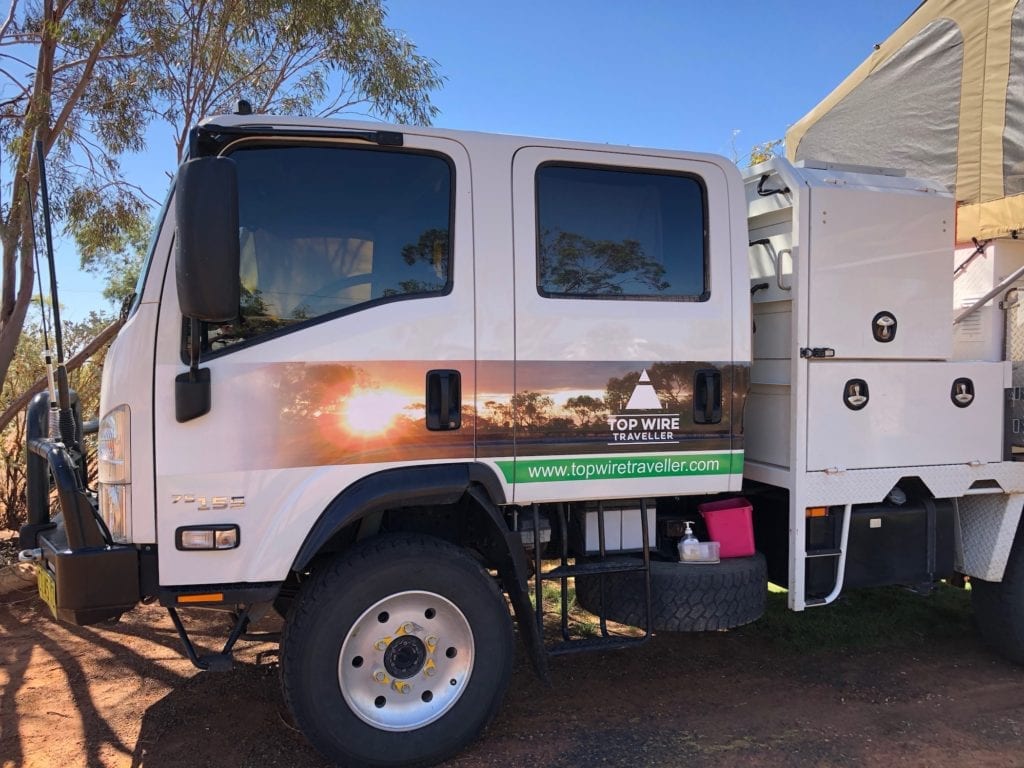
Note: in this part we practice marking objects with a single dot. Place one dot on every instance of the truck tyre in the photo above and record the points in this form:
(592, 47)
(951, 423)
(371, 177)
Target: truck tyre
(684, 598)
(999, 606)
(398, 652)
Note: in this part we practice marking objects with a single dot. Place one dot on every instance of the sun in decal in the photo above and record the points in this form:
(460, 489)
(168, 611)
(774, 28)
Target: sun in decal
(371, 412)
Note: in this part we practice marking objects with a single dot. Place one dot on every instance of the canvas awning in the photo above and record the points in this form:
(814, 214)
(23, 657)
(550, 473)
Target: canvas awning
(942, 98)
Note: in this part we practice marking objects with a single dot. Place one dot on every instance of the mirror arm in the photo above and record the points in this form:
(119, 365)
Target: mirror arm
(192, 389)
(195, 342)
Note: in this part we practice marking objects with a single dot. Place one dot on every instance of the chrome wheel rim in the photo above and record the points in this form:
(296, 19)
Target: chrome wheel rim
(406, 661)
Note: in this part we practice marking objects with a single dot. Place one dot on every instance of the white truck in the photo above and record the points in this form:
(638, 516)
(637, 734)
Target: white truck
(373, 377)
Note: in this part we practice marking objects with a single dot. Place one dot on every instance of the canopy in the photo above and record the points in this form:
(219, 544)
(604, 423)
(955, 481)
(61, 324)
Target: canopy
(943, 99)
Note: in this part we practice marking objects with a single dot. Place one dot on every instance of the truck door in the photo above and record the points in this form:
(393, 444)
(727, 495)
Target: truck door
(357, 293)
(626, 331)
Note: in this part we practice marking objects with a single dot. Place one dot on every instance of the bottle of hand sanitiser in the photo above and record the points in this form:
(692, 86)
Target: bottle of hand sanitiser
(689, 547)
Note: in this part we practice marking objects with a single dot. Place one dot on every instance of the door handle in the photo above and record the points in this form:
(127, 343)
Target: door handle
(707, 396)
(444, 400)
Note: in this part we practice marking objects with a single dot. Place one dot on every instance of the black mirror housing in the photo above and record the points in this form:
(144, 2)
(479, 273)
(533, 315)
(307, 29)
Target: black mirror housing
(207, 250)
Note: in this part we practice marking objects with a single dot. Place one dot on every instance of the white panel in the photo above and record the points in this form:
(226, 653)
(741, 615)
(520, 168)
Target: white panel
(980, 336)
(910, 418)
(767, 425)
(880, 250)
(772, 335)
(771, 371)
(612, 531)
(623, 530)
(632, 528)
(127, 378)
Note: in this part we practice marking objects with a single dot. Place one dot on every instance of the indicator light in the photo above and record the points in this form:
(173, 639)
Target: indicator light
(207, 537)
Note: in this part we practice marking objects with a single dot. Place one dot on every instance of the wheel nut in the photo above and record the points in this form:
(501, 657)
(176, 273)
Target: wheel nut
(430, 668)
(382, 644)
(381, 677)
(401, 686)
(431, 643)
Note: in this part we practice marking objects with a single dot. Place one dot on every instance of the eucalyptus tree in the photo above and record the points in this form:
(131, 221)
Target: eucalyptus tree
(87, 77)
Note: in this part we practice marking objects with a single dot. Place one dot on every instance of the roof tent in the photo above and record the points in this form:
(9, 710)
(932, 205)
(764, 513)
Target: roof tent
(942, 98)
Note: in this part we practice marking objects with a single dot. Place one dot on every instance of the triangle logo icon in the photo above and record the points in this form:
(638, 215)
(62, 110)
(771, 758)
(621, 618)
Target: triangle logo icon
(644, 398)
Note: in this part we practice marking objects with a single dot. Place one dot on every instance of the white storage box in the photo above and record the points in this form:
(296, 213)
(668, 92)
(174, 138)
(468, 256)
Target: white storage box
(623, 531)
(909, 417)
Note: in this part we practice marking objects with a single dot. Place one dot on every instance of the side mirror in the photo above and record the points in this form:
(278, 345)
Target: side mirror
(207, 251)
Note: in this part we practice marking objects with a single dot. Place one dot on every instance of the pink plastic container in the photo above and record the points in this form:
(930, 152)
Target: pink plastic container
(730, 525)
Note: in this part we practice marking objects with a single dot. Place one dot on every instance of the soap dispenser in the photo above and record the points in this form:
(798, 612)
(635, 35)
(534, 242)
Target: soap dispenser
(689, 547)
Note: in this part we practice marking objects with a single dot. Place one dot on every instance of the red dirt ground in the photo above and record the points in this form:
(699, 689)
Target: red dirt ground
(123, 695)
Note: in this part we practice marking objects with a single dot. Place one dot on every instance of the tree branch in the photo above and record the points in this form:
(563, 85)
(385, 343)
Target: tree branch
(9, 20)
(84, 79)
(19, 403)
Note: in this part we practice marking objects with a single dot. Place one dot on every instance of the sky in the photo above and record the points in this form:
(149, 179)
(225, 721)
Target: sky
(703, 76)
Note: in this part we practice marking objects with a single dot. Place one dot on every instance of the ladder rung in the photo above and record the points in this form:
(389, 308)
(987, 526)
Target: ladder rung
(593, 569)
(813, 601)
(823, 553)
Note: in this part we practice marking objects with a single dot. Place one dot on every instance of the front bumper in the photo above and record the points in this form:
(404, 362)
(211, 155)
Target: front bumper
(84, 577)
(90, 584)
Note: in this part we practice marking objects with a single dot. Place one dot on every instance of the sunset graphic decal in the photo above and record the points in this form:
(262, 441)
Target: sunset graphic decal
(375, 411)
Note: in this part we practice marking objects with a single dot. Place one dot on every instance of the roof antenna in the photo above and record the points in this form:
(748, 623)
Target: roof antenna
(243, 107)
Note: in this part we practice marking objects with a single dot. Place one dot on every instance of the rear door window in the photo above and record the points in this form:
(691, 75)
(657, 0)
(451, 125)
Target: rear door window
(607, 233)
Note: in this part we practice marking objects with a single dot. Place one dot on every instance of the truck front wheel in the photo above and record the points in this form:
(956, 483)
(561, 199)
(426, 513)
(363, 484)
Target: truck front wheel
(398, 652)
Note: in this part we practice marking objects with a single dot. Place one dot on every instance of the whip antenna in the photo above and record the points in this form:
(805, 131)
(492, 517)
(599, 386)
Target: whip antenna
(47, 352)
(66, 418)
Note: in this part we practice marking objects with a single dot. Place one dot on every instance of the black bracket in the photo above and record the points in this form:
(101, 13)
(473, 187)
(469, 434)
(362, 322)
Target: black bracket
(214, 662)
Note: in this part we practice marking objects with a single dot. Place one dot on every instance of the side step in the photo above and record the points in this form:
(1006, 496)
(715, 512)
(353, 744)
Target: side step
(600, 568)
(214, 662)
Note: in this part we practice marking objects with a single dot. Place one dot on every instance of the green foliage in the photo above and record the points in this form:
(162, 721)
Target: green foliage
(87, 76)
(301, 58)
(26, 367)
(765, 151)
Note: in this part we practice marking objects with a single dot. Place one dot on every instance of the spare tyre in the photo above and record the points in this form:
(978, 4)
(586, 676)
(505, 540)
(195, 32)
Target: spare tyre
(685, 597)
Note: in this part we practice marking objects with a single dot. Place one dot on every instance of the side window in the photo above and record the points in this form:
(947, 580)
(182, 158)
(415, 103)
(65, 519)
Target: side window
(613, 233)
(331, 229)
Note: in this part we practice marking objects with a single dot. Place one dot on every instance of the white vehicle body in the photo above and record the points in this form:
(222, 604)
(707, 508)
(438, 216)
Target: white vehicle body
(367, 369)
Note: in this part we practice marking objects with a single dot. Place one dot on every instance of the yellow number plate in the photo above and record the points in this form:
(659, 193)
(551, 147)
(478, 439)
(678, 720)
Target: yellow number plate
(47, 587)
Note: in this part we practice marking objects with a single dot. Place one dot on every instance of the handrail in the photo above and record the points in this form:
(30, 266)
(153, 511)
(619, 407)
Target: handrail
(1003, 285)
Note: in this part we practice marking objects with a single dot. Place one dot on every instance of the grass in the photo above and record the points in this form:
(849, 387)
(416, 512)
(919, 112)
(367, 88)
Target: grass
(581, 623)
(862, 619)
(865, 619)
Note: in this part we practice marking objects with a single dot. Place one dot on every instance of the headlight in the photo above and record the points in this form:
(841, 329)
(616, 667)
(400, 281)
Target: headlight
(113, 454)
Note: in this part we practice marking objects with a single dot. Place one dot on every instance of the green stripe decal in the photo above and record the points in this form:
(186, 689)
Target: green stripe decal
(621, 467)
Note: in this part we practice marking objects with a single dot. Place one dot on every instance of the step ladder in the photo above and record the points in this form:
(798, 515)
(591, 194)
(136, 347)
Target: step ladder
(599, 567)
(822, 552)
